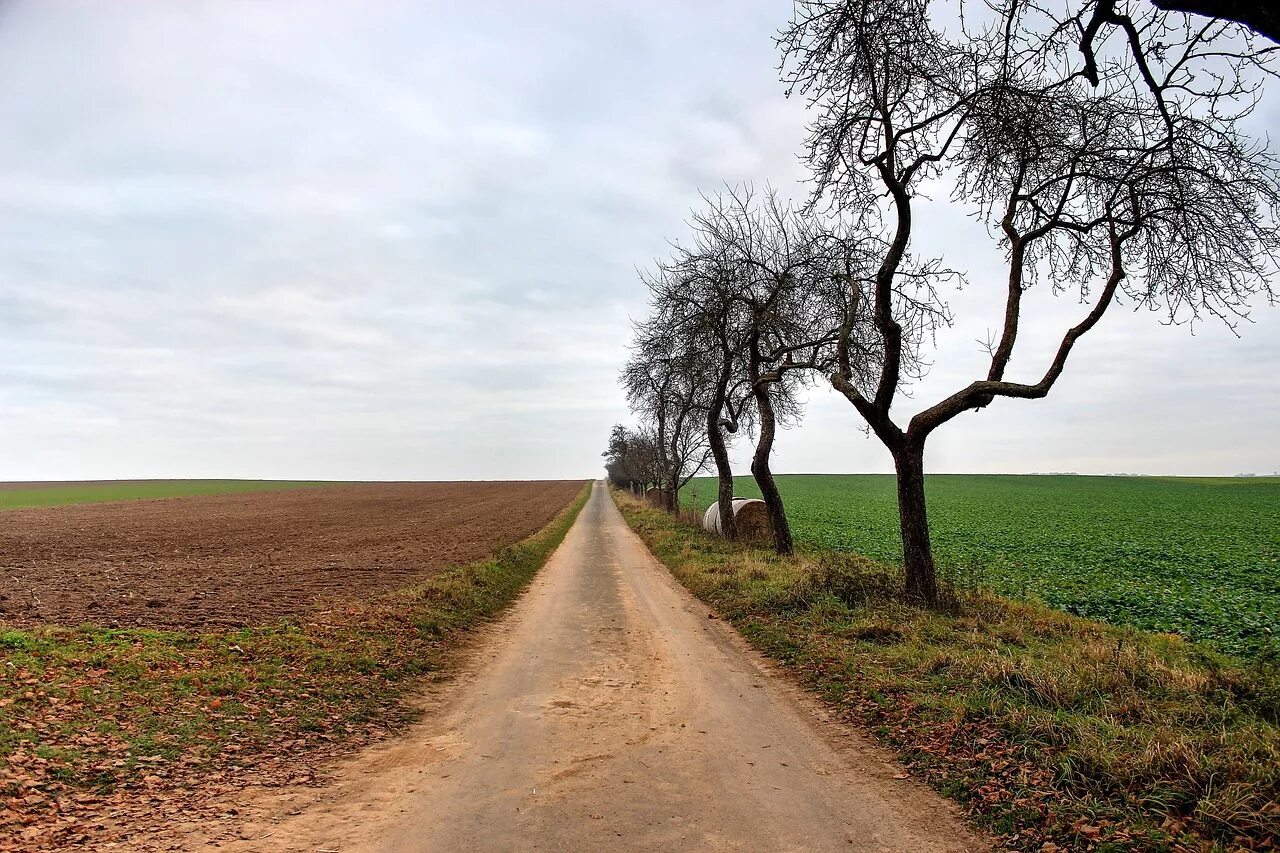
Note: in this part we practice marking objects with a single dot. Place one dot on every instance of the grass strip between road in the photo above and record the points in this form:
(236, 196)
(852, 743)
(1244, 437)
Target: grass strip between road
(96, 720)
(1054, 731)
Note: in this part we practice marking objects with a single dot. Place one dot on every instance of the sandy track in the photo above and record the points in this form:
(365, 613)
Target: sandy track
(608, 712)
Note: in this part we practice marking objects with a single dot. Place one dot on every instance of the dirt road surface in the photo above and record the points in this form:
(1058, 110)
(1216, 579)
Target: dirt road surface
(608, 712)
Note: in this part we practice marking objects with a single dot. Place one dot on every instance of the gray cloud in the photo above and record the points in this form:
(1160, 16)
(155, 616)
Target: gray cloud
(396, 240)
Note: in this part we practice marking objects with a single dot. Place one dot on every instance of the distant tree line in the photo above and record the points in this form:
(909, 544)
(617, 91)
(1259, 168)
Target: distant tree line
(1102, 143)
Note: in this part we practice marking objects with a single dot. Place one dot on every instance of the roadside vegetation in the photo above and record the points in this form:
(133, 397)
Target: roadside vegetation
(1054, 731)
(24, 496)
(1108, 151)
(94, 720)
(1199, 557)
(1106, 148)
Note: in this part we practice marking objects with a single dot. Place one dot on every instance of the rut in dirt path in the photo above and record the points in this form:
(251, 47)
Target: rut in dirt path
(610, 713)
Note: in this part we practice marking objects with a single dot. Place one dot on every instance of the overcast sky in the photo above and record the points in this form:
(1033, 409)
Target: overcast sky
(397, 240)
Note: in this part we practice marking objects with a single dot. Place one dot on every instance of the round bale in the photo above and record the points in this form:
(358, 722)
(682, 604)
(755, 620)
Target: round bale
(658, 497)
(750, 517)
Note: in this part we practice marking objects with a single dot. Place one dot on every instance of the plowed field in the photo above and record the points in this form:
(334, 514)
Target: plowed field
(245, 559)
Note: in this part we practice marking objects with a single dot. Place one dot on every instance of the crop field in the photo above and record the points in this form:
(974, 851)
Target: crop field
(1199, 557)
(229, 560)
(18, 495)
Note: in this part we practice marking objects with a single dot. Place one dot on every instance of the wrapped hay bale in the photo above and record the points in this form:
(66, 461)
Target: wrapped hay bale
(711, 519)
(659, 498)
(750, 517)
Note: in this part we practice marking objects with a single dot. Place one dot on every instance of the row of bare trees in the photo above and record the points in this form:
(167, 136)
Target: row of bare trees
(1103, 143)
(762, 299)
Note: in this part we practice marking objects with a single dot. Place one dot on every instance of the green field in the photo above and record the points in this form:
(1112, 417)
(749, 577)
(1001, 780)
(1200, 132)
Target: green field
(20, 496)
(1195, 556)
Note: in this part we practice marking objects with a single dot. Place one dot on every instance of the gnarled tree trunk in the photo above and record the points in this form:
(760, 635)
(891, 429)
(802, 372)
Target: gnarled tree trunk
(724, 473)
(917, 553)
(715, 437)
(782, 542)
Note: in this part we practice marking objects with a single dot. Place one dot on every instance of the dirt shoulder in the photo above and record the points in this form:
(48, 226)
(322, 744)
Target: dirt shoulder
(247, 559)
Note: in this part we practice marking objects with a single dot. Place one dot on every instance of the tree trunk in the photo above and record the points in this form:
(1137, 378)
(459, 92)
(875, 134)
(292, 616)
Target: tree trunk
(913, 520)
(724, 475)
(719, 452)
(764, 476)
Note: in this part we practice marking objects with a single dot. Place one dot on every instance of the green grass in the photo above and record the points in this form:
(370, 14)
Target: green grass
(1048, 727)
(93, 712)
(17, 497)
(1199, 557)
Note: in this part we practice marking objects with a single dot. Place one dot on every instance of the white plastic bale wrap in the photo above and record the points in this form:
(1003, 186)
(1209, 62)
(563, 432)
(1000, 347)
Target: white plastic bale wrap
(711, 519)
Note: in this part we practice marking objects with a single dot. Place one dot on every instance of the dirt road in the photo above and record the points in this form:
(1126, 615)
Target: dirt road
(608, 712)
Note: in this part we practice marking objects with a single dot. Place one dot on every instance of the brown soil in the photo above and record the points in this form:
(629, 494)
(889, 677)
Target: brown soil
(243, 559)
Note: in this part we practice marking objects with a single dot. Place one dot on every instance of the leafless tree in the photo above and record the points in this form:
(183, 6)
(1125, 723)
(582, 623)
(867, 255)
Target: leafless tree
(1262, 18)
(790, 284)
(761, 298)
(692, 299)
(632, 459)
(668, 393)
(1142, 29)
(1097, 189)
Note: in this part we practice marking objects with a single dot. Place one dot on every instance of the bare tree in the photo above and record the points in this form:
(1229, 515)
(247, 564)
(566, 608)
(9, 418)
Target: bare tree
(751, 307)
(789, 280)
(1142, 29)
(1262, 18)
(632, 459)
(645, 458)
(668, 393)
(692, 300)
(1099, 190)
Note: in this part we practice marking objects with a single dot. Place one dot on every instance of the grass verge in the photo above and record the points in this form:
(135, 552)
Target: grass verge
(1056, 732)
(1198, 557)
(95, 719)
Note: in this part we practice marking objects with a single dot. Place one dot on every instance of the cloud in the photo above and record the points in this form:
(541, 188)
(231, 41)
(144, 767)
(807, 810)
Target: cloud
(396, 240)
